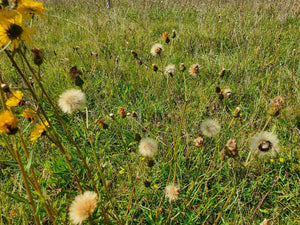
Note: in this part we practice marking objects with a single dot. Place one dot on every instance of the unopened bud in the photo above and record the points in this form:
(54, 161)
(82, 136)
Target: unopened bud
(154, 67)
(182, 67)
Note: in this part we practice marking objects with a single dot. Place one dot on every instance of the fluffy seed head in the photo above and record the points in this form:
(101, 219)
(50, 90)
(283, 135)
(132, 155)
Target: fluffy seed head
(264, 144)
(170, 70)
(71, 100)
(156, 49)
(231, 147)
(210, 128)
(172, 192)
(83, 206)
(148, 147)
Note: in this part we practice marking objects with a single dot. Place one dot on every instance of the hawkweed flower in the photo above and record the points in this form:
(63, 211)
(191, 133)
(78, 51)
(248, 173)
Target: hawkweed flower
(29, 114)
(122, 112)
(39, 130)
(198, 142)
(172, 192)
(194, 70)
(15, 100)
(83, 206)
(210, 128)
(30, 8)
(8, 123)
(264, 144)
(165, 37)
(156, 49)
(148, 147)
(276, 104)
(71, 100)
(12, 30)
(170, 70)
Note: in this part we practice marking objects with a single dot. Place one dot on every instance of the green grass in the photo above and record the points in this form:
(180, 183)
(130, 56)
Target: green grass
(258, 41)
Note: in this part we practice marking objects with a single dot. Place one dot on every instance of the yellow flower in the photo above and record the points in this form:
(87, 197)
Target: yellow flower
(15, 100)
(29, 8)
(39, 130)
(155, 186)
(8, 123)
(281, 160)
(121, 171)
(271, 160)
(29, 114)
(12, 30)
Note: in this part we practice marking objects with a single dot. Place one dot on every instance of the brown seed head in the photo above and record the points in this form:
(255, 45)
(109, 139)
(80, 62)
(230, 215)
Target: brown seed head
(198, 142)
(122, 112)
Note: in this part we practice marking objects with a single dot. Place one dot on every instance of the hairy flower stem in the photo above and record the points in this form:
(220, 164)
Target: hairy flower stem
(61, 121)
(46, 117)
(36, 182)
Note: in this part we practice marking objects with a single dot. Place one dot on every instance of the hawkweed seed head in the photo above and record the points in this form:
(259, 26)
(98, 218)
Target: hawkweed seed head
(122, 112)
(71, 100)
(156, 49)
(264, 144)
(8, 123)
(154, 67)
(210, 128)
(236, 112)
(134, 54)
(198, 142)
(82, 207)
(172, 192)
(194, 70)
(148, 147)
(173, 35)
(170, 70)
(38, 56)
(182, 67)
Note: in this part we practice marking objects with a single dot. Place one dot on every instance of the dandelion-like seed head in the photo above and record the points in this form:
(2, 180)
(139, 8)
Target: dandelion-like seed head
(156, 49)
(83, 206)
(264, 144)
(210, 128)
(172, 192)
(194, 70)
(148, 147)
(8, 123)
(71, 100)
(170, 70)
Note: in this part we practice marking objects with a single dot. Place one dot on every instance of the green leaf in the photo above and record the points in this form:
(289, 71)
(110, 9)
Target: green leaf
(29, 161)
(17, 197)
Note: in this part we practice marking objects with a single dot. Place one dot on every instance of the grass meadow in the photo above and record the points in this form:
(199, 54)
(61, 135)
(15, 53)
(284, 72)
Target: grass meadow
(143, 127)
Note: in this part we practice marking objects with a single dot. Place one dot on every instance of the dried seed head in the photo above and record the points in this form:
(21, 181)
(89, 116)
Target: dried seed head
(231, 147)
(170, 70)
(194, 70)
(198, 142)
(138, 62)
(156, 49)
(122, 112)
(38, 56)
(172, 192)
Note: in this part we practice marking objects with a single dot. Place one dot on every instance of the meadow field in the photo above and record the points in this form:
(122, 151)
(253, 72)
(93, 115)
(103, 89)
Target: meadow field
(150, 112)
